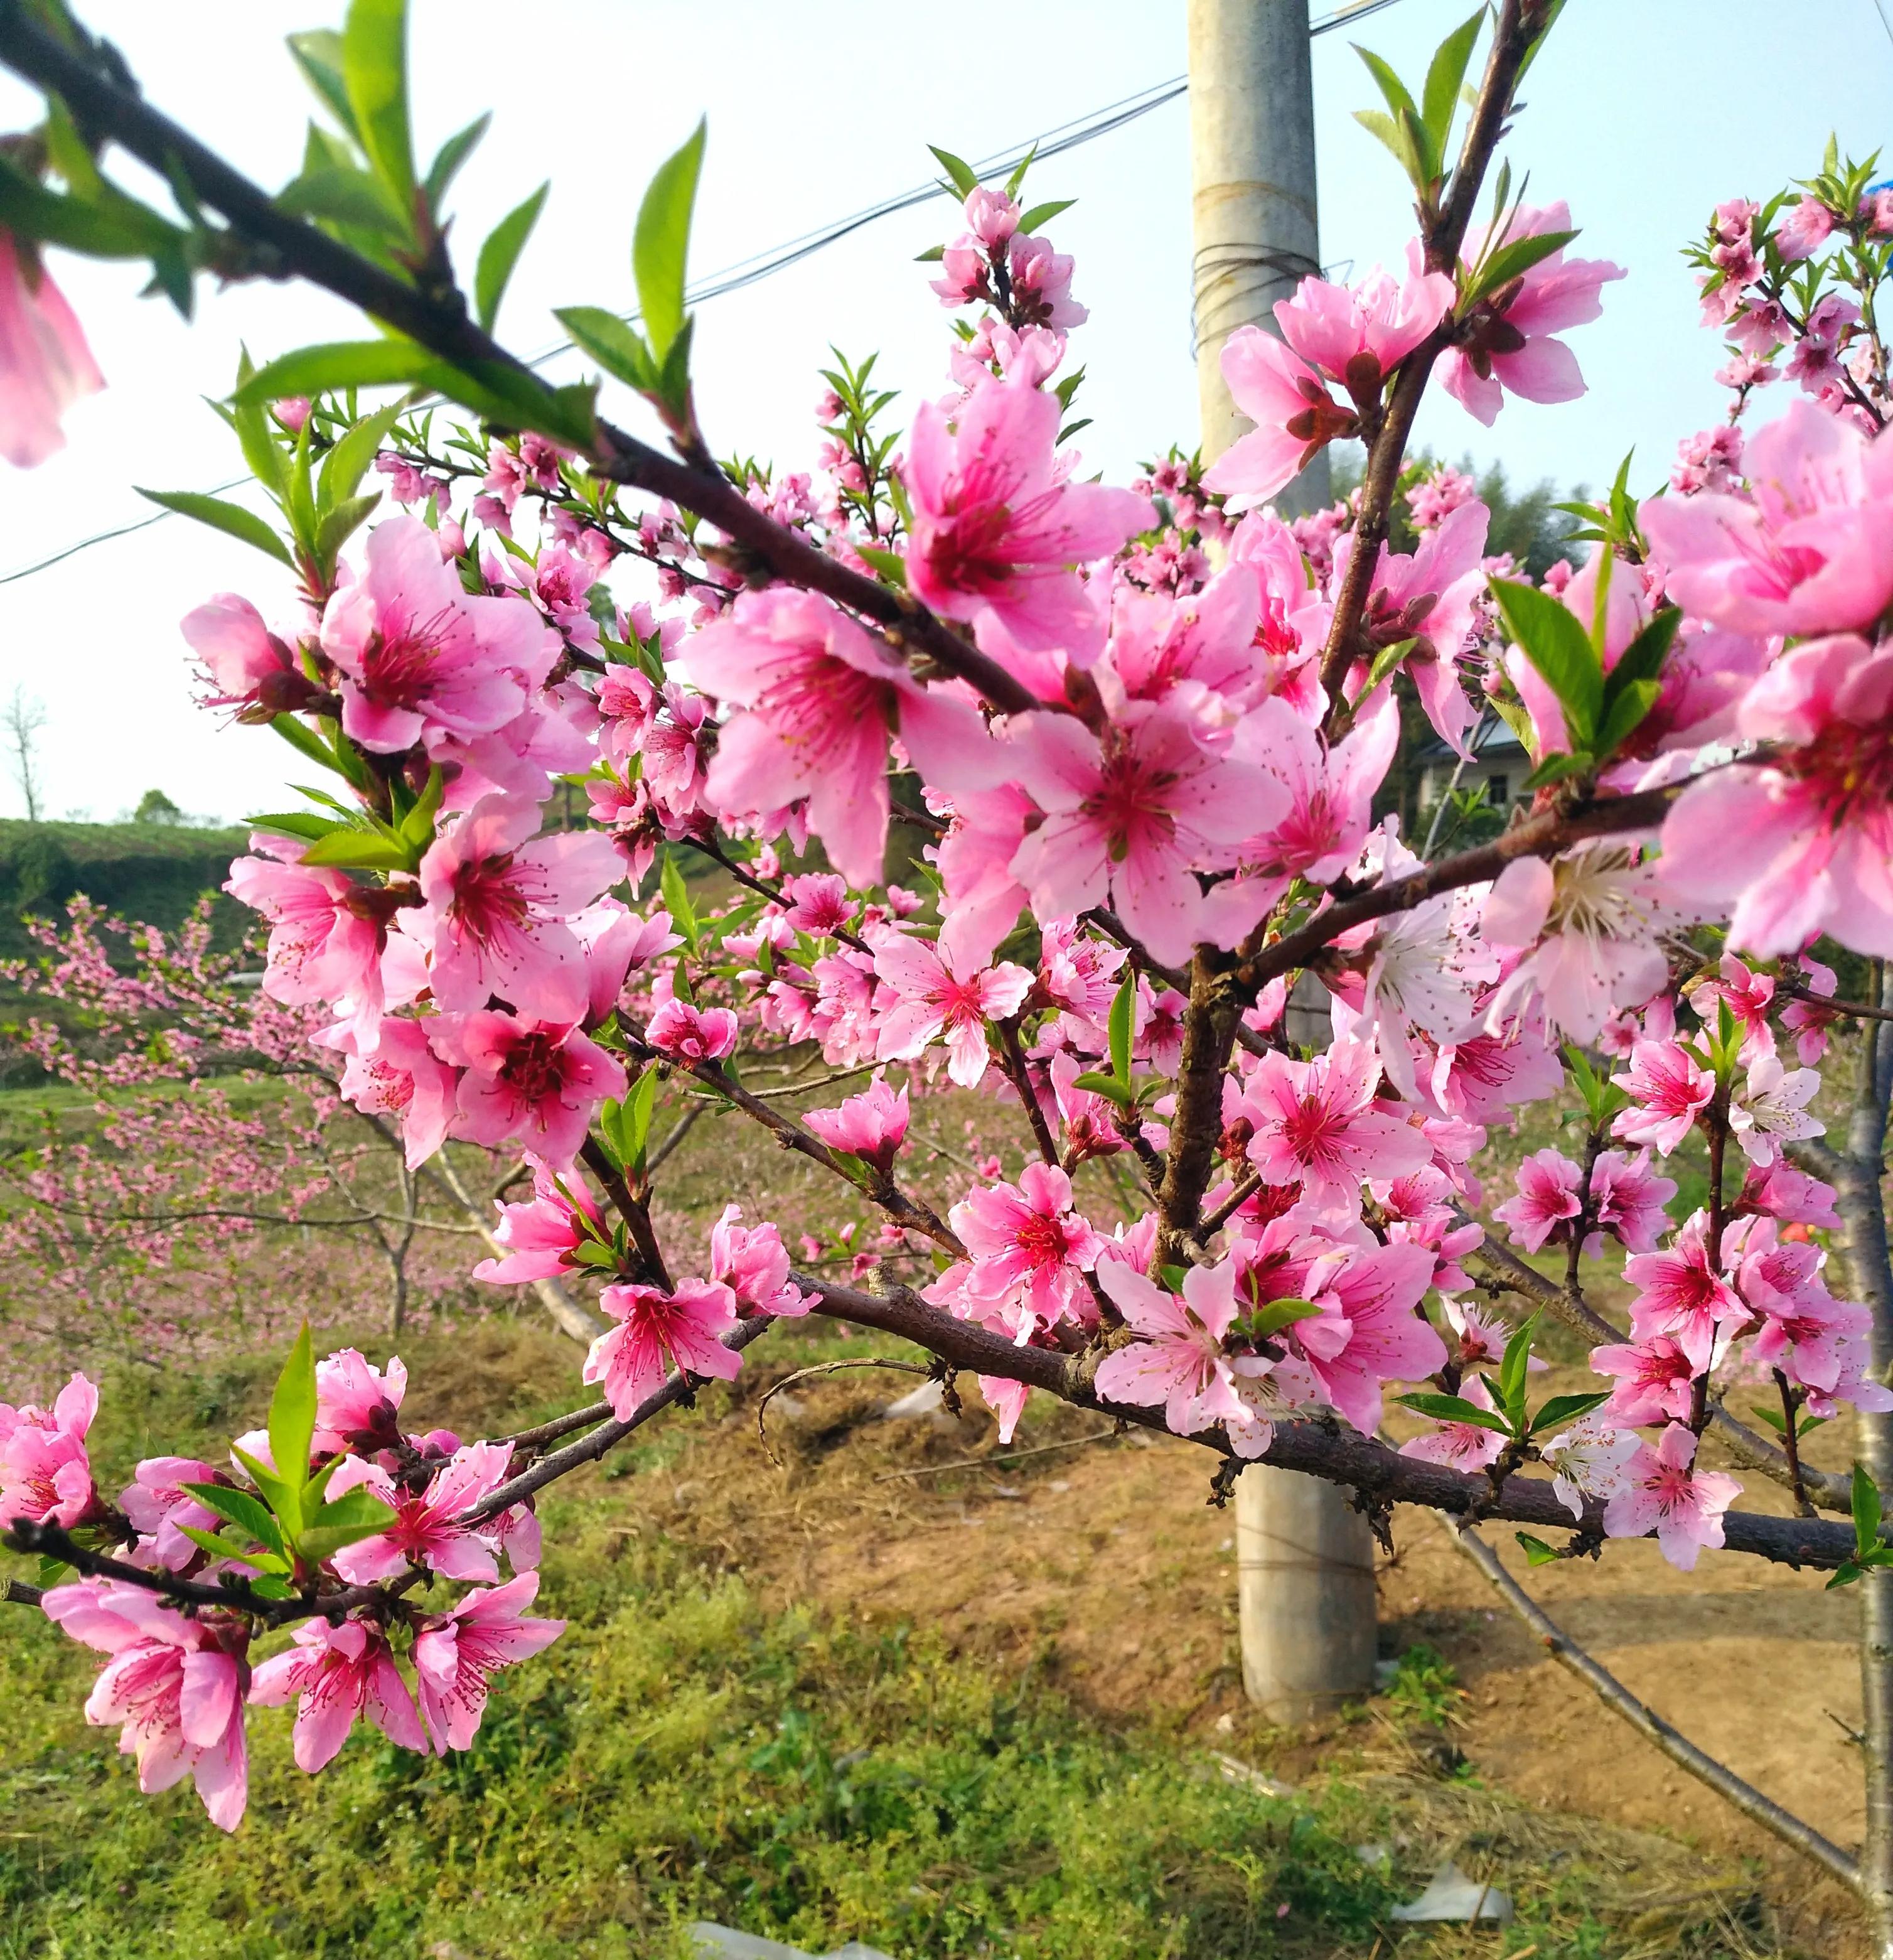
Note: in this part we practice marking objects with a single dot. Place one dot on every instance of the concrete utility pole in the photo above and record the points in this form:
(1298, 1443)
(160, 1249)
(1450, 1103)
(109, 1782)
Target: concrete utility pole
(1305, 1556)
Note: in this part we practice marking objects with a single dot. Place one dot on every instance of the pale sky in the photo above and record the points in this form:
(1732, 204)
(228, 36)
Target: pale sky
(1641, 114)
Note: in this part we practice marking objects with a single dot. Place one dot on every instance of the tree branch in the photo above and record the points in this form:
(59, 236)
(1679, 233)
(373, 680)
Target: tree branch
(438, 320)
(1790, 1829)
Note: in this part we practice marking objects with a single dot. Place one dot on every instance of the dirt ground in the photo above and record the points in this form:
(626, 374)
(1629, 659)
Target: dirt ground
(1099, 1566)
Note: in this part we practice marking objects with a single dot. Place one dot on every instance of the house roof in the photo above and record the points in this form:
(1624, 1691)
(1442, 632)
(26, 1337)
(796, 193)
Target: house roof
(1492, 742)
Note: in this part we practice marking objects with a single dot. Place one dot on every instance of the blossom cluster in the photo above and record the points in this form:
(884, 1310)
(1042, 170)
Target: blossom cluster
(1153, 792)
(178, 1687)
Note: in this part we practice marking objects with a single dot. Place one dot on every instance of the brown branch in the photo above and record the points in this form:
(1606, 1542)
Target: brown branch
(1209, 1031)
(589, 1449)
(1857, 1010)
(1762, 1810)
(1543, 835)
(635, 1213)
(1012, 1061)
(1340, 1455)
(1442, 236)
(435, 316)
(50, 1541)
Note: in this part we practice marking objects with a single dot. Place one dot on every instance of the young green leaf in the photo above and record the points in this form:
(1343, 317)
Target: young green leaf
(1512, 1368)
(661, 243)
(1270, 1320)
(318, 53)
(1454, 1408)
(350, 850)
(1043, 214)
(337, 364)
(1123, 1016)
(292, 1421)
(1867, 1513)
(891, 567)
(450, 156)
(239, 1508)
(281, 1498)
(619, 349)
(374, 70)
(355, 1515)
(500, 253)
(231, 519)
(636, 1120)
(345, 465)
(1444, 75)
(339, 525)
(1557, 646)
(963, 178)
(1562, 1409)
(677, 900)
(1515, 257)
(1537, 1552)
(1109, 1087)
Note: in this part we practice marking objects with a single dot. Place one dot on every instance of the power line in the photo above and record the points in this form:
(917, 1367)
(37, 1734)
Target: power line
(779, 258)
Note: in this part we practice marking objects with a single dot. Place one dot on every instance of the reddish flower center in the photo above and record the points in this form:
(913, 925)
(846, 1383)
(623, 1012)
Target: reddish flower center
(1042, 1239)
(968, 553)
(535, 1068)
(398, 669)
(1850, 768)
(1131, 804)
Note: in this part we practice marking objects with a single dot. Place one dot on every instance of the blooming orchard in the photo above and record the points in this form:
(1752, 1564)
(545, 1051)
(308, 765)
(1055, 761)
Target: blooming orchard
(1143, 730)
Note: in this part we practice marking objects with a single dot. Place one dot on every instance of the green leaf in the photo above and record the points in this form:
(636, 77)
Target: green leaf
(1122, 1015)
(292, 823)
(1280, 1313)
(961, 174)
(346, 848)
(1537, 1552)
(450, 156)
(1512, 1368)
(1562, 1409)
(337, 364)
(619, 349)
(118, 227)
(1454, 1408)
(1447, 70)
(1844, 1576)
(282, 1499)
(1515, 257)
(636, 1124)
(1107, 1086)
(1043, 214)
(661, 243)
(232, 519)
(1395, 136)
(500, 253)
(417, 827)
(355, 1515)
(374, 70)
(1866, 1512)
(342, 195)
(1622, 716)
(1643, 659)
(239, 1508)
(235, 1545)
(1421, 153)
(318, 53)
(931, 256)
(340, 524)
(1557, 646)
(347, 462)
(292, 1421)
(304, 741)
(1555, 768)
(1026, 162)
(890, 566)
(677, 901)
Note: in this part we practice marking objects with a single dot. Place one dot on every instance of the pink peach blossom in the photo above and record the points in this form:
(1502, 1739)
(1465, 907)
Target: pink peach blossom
(923, 995)
(174, 1684)
(1659, 1492)
(339, 1673)
(457, 1655)
(657, 1330)
(45, 365)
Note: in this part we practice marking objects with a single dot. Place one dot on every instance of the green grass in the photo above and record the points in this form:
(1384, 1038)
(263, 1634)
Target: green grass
(687, 1751)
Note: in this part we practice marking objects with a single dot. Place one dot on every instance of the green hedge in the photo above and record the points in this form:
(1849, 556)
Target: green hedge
(152, 872)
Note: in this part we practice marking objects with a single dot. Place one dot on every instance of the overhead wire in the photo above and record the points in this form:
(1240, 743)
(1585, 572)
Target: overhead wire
(775, 259)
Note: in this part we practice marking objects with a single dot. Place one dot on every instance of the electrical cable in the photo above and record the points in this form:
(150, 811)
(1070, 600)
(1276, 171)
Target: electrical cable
(779, 258)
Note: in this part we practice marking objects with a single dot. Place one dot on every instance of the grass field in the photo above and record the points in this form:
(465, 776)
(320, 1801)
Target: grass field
(694, 1747)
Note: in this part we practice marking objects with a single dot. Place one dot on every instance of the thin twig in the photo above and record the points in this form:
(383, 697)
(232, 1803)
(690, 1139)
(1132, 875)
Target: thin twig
(1790, 1829)
(775, 1389)
(1004, 1456)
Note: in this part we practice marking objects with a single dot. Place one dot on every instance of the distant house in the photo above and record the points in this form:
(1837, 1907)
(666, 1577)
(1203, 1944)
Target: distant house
(1497, 759)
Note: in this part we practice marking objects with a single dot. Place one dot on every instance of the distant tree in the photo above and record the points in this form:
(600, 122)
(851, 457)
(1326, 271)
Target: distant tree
(25, 717)
(154, 807)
